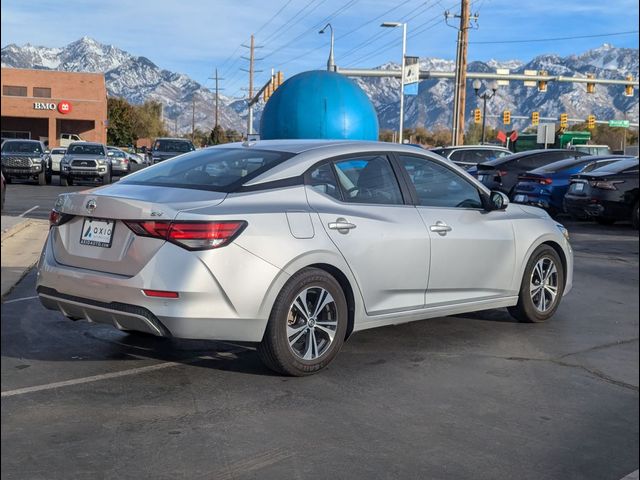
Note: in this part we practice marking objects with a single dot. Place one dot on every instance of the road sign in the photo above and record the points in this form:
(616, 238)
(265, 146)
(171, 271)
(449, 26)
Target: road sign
(546, 133)
(530, 83)
(502, 71)
(411, 75)
(619, 123)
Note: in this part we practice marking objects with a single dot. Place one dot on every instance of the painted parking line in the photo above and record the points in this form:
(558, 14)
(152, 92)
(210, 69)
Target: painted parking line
(29, 211)
(20, 299)
(94, 378)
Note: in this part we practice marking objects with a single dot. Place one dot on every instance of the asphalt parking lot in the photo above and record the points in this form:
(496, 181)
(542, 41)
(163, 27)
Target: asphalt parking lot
(473, 396)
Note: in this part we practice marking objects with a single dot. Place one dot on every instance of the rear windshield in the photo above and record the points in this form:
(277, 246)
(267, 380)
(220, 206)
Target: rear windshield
(617, 167)
(58, 151)
(217, 169)
(82, 149)
(116, 153)
(22, 147)
(561, 165)
(176, 146)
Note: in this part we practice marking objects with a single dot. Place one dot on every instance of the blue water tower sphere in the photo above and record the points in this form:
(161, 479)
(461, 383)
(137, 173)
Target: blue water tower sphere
(319, 104)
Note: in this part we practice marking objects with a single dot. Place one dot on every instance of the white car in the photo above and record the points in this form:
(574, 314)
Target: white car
(55, 157)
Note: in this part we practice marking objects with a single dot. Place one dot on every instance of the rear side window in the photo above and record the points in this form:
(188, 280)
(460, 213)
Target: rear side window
(368, 179)
(216, 169)
(323, 180)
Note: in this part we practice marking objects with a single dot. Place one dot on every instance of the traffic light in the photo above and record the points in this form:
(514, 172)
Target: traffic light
(628, 89)
(542, 84)
(477, 116)
(564, 120)
(535, 119)
(591, 122)
(591, 87)
(506, 117)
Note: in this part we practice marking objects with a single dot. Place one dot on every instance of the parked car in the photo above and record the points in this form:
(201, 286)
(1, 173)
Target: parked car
(546, 186)
(165, 148)
(119, 161)
(55, 157)
(467, 156)
(294, 245)
(502, 173)
(25, 159)
(608, 194)
(593, 149)
(3, 184)
(67, 139)
(85, 161)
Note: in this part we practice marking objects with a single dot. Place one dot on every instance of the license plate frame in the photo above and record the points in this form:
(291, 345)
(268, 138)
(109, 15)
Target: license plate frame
(97, 232)
(579, 187)
(520, 198)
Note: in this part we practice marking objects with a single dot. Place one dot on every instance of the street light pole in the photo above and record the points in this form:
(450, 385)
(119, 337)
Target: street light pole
(485, 96)
(402, 68)
(331, 65)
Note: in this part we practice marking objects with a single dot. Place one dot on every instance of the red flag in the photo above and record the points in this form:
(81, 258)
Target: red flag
(514, 136)
(501, 136)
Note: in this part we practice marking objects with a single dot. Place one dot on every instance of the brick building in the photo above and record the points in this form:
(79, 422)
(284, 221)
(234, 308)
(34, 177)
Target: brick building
(45, 104)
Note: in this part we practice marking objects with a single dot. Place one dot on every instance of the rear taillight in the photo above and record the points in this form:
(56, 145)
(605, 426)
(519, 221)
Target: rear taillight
(502, 173)
(604, 185)
(190, 235)
(546, 181)
(161, 294)
(57, 218)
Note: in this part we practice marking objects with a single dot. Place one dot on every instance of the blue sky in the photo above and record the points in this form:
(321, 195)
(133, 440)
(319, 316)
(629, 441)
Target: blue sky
(195, 36)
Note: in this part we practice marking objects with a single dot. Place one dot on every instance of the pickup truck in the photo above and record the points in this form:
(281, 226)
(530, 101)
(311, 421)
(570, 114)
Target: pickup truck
(85, 161)
(25, 159)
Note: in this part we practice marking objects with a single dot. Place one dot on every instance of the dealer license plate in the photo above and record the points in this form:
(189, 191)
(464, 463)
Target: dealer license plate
(97, 233)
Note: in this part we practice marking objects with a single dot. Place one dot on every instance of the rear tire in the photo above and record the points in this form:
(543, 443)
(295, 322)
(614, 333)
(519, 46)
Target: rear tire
(48, 178)
(635, 216)
(42, 178)
(7, 179)
(541, 288)
(301, 340)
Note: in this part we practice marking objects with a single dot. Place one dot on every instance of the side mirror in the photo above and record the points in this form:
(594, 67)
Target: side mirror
(498, 200)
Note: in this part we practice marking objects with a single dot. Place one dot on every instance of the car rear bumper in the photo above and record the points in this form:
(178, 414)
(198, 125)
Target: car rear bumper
(209, 307)
(581, 207)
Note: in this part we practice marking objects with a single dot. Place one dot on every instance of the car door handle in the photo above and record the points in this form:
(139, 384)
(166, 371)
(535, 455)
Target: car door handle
(341, 225)
(440, 228)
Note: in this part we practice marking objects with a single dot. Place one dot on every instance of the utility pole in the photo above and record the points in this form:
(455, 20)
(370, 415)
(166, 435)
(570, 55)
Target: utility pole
(252, 59)
(217, 79)
(193, 117)
(459, 96)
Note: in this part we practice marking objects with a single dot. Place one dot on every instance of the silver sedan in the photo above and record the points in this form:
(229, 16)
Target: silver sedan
(295, 245)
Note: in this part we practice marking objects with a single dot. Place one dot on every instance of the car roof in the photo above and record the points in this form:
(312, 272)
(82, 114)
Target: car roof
(300, 146)
(571, 162)
(20, 140)
(86, 143)
(474, 147)
(616, 167)
(173, 138)
(528, 153)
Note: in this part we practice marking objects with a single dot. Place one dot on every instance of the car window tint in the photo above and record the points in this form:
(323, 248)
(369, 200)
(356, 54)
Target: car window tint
(323, 180)
(218, 169)
(437, 186)
(368, 180)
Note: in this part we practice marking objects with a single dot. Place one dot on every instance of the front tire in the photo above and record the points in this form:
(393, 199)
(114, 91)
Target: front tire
(107, 178)
(307, 325)
(42, 178)
(542, 287)
(65, 181)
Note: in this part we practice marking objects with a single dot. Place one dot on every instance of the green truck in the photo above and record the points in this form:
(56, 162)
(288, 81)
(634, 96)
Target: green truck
(529, 141)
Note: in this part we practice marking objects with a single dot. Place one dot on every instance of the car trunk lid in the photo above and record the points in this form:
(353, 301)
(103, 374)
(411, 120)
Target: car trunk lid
(104, 210)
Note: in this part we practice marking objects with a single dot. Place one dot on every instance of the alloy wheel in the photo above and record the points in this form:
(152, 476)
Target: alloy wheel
(312, 322)
(544, 284)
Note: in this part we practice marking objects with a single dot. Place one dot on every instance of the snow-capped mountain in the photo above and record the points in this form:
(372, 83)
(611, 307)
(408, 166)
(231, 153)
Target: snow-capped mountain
(135, 78)
(138, 79)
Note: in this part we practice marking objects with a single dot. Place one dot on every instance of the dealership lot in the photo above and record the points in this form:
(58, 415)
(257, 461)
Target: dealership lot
(476, 395)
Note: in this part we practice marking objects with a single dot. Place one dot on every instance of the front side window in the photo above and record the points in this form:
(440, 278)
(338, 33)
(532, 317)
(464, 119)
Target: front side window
(21, 147)
(80, 149)
(217, 169)
(368, 179)
(437, 186)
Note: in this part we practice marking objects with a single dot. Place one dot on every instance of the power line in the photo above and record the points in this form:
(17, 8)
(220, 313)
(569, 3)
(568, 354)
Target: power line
(273, 17)
(534, 40)
(288, 24)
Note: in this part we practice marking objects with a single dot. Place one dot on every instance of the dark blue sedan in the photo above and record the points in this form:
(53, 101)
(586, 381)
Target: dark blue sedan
(546, 186)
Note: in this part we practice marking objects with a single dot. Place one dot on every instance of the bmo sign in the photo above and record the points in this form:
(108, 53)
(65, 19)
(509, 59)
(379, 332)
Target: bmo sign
(63, 107)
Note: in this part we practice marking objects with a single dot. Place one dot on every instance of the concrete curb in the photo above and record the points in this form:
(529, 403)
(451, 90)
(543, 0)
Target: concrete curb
(21, 247)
